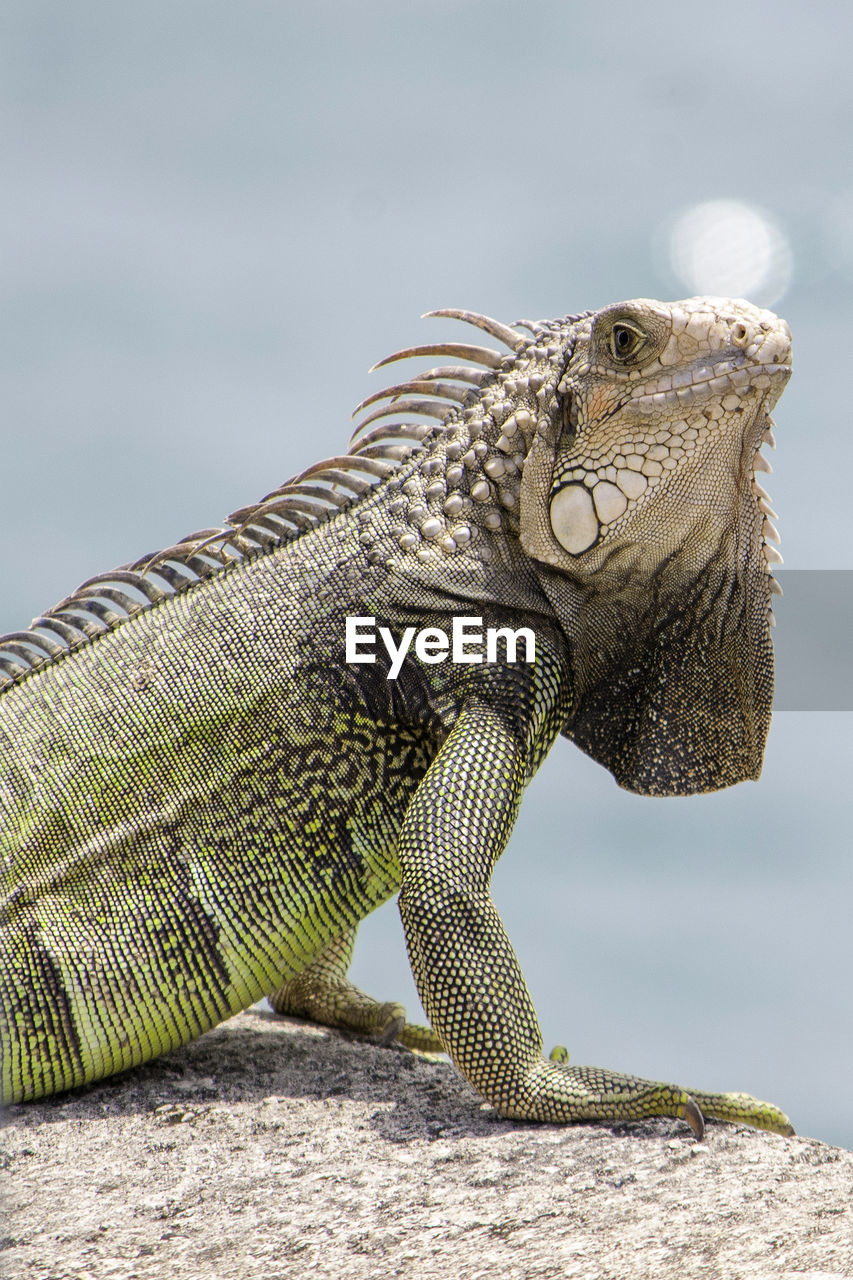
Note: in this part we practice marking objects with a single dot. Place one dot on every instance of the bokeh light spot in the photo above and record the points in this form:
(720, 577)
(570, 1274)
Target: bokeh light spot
(730, 249)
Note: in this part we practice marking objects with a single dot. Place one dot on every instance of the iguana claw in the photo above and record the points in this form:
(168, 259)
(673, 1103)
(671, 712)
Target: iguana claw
(391, 1030)
(695, 1119)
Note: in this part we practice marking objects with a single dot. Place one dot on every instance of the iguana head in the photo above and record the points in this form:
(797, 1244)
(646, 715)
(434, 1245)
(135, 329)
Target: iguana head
(639, 501)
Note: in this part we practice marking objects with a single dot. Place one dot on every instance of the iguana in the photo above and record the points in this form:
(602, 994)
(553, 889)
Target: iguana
(202, 796)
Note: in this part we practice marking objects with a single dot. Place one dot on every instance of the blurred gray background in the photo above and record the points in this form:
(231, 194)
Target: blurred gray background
(215, 217)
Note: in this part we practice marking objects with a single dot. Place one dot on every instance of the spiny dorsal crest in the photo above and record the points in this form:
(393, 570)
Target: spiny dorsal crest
(415, 412)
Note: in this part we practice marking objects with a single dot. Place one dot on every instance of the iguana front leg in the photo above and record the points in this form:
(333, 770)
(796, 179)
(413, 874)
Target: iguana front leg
(465, 969)
(324, 993)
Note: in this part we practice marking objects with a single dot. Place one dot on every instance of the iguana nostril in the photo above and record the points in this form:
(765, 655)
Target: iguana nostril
(740, 334)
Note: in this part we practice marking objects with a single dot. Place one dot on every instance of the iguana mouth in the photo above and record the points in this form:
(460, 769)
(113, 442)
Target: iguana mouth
(728, 376)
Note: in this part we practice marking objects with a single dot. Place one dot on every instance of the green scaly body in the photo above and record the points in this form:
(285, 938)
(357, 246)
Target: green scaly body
(202, 797)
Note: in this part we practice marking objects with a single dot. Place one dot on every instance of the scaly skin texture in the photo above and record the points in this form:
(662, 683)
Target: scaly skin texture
(201, 797)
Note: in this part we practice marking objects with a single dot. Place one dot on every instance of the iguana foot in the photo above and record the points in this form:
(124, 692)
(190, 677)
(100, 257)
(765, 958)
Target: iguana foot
(736, 1108)
(345, 1006)
(556, 1092)
(323, 993)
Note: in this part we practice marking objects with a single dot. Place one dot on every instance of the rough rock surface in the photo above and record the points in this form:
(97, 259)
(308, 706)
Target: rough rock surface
(270, 1149)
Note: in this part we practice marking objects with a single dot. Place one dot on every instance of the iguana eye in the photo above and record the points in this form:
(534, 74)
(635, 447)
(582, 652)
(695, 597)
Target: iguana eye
(625, 340)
